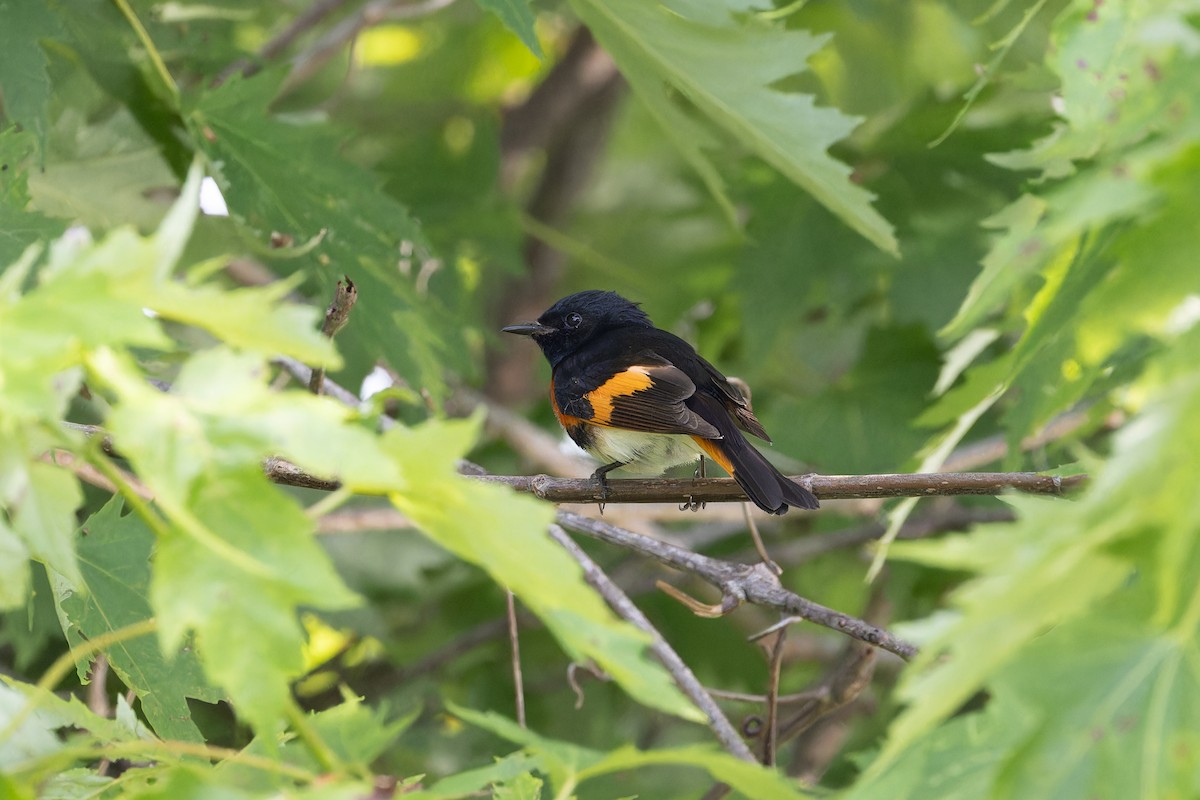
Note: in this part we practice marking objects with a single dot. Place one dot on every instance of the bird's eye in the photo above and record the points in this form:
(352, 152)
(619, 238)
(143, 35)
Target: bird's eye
(573, 320)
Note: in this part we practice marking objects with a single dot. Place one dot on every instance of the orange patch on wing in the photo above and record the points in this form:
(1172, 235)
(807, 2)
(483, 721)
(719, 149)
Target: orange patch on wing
(634, 379)
(713, 449)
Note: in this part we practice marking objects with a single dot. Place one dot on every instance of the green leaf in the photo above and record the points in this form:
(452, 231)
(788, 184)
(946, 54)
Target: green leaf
(236, 579)
(1126, 550)
(45, 519)
(20, 226)
(356, 229)
(469, 782)
(518, 17)
(1124, 76)
(103, 175)
(358, 734)
(522, 787)
(239, 555)
(861, 422)
(566, 762)
(23, 77)
(37, 735)
(505, 534)
(727, 67)
(14, 568)
(1014, 254)
(114, 554)
(950, 761)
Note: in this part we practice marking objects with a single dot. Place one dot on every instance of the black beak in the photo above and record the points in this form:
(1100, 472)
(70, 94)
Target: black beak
(528, 329)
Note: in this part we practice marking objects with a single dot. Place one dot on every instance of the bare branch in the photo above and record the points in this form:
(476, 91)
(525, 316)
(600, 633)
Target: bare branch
(995, 448)
(313, 16)
(371, 13)
(841, 686)
(771, 732)
(684, 678)
(753, 584)
(514, 642)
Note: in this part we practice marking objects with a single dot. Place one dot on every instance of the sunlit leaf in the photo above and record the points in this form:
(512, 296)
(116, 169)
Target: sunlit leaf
(505, 534)
(727, 67)
(114, 553)
(518, 17)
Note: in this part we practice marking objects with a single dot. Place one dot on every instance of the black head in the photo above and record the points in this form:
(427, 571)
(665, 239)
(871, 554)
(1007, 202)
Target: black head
(577, 318)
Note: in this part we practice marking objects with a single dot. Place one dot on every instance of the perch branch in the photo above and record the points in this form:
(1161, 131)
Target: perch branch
(683, 675)
(826, 487)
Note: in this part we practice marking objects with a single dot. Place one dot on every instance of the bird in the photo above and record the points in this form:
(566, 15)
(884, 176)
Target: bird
(633, 395)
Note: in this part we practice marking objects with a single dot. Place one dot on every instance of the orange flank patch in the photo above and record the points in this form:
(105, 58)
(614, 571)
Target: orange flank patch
(713, 450)
(634, 379)
(566, 420)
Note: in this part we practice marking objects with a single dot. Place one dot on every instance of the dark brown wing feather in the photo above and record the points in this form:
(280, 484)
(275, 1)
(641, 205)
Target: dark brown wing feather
(641, 397)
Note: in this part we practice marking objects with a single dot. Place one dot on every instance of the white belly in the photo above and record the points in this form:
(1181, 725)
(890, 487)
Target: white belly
(650, 453)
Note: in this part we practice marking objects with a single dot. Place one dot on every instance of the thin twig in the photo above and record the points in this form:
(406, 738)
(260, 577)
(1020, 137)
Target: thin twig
(372, 13)
(841, 686)
(761, 699)
(90, 475)
(303, 373)
(756, 537)
(753, 584)
(97, 695)
(345, 295)
(771, 732)
(312, 17)
(514, 642)
(684, 678)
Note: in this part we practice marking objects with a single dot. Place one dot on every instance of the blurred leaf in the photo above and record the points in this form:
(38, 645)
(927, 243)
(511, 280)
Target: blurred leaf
(103, 173)
(23, 78)
(37, 734)
(239, 556)
(114, 554)
(567, 763)
(518, 17)
(949, 761)
(470, 782)
(522, 787)
(862, 423)
(1122, 81)
(505, 534)
(1087, 563)
(727, 68)
(355, 732)
(20, 226)
(14, 568)
(46, 519)
(1014, 254)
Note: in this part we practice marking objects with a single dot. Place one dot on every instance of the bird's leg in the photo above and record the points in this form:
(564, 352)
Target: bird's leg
(601, 477)
(690, 504)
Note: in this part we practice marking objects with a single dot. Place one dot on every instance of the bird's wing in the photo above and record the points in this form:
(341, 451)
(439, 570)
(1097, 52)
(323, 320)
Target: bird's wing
(641, 397)
(737, 405)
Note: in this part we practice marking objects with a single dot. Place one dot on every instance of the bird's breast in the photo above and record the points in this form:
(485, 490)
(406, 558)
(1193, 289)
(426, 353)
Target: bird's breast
(651, 453)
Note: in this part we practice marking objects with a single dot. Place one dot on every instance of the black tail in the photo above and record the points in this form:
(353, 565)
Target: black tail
(766, 486)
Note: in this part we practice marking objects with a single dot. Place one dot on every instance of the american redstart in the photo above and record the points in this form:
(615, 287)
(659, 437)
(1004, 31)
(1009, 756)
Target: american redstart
(633, 395)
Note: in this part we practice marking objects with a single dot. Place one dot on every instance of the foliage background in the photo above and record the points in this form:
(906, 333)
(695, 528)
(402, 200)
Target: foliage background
(1029, 251)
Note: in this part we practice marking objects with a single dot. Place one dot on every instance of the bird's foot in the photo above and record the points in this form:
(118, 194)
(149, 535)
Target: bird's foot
(690, 504)
(600, 476)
